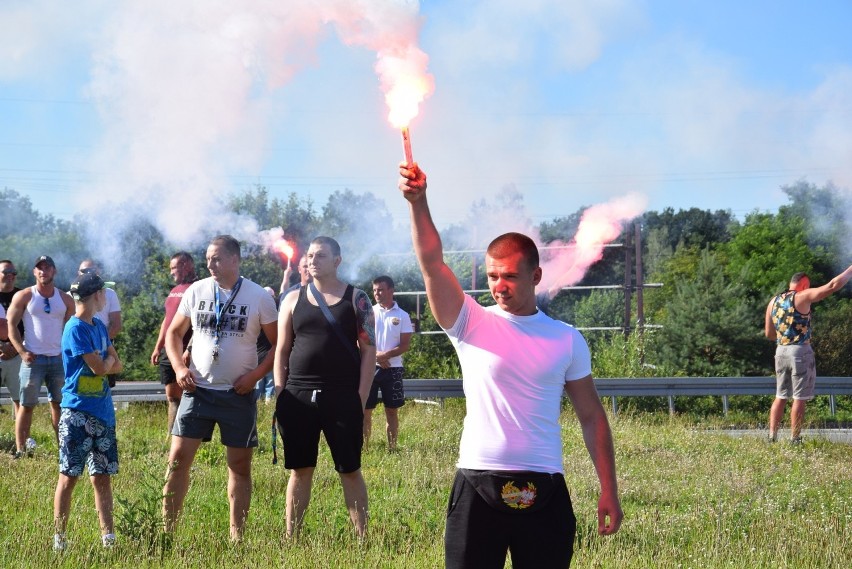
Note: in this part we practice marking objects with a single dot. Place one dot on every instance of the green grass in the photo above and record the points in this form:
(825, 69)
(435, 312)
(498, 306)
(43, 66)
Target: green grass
(692, 498)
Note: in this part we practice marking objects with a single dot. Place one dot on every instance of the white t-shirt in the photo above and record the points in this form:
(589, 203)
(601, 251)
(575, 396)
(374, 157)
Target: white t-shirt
(514, 370)
(240, 326)
(390, 323)
(112, 305)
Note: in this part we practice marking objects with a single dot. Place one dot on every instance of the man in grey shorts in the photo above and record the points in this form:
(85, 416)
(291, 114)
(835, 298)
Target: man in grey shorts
(788, 322)
(227, 313)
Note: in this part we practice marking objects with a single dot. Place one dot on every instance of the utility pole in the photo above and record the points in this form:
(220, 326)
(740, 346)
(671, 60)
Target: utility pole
(628, 265)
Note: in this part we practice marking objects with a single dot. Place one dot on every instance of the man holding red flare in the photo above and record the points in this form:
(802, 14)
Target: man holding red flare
(509, 492)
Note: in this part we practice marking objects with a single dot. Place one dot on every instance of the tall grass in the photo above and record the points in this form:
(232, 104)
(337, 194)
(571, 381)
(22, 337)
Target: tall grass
(692, 496)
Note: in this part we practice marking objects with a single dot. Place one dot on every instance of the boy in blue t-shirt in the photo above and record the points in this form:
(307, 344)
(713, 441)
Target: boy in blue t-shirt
(87, 421)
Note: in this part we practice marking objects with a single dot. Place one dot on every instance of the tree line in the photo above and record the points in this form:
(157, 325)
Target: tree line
(717, 274)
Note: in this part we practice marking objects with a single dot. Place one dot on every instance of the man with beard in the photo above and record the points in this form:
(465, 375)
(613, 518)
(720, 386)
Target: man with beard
(44, 309)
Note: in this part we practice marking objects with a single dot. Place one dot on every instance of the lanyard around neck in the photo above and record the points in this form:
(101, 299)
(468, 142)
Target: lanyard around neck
(221, 309)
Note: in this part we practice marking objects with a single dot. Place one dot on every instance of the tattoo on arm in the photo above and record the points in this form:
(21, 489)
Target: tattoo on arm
(366, 319)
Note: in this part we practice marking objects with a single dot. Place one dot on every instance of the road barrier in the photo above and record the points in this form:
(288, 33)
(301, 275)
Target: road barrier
(669, 387)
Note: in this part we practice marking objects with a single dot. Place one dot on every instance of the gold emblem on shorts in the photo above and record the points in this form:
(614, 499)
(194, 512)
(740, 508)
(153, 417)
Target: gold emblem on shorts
(518, 498)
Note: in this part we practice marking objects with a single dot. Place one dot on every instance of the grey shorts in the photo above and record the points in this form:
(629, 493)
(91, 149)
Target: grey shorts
(795, 372)
(200, 411)
(47, 371)
(10, 376)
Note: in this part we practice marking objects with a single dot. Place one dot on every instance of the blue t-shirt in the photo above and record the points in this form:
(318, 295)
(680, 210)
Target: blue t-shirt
(83, 390)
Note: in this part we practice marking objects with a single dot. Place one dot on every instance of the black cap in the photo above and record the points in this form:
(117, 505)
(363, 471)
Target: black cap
(44, 259)
(86, 285)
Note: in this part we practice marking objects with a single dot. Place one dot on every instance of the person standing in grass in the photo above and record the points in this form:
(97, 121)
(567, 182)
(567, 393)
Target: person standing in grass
(509, 493)
(10, 360)
(393, 337)
(182, 271)
(44, 310)
(324, 365)
(87, 419)
(226, 313)
(788, 322)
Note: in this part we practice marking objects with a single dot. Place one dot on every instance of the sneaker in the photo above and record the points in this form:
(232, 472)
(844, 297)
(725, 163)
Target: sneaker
(108, 540)
(30, 446)
(772, 438)
(59, 542)
(796, 441)
(19, 454)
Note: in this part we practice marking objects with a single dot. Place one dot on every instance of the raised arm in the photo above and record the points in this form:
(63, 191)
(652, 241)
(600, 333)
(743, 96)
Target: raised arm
(285, 281)
(442, 287)
(806, 297)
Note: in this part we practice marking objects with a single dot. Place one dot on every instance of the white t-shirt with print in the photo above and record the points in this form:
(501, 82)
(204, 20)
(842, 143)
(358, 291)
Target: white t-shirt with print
(240, 326)
(390, 323)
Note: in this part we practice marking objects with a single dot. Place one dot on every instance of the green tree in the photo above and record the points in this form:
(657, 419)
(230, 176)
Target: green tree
(710, 328)
(832, 330)
(769, 248)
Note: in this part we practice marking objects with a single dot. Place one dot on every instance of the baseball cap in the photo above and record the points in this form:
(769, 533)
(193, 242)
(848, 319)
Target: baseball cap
(44, 259)
(87, 284)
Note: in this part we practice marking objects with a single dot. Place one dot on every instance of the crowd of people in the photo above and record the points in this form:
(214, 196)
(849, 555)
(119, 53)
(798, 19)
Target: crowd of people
(326, 355)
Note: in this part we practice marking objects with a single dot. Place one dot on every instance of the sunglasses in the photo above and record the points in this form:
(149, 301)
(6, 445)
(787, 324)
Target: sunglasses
(10, 272)
(47, 306)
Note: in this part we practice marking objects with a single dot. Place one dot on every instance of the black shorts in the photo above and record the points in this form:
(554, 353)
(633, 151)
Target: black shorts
(390, 381)
(167, 373)
(479, 534)
(303, 413)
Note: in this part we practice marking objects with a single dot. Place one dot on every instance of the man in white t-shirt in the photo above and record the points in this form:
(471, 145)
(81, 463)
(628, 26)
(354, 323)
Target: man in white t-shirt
(509, 493)
(227, 313)
(110, 314)
(393, 337)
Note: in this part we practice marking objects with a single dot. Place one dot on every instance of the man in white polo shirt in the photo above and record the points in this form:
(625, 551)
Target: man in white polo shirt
(393, 337)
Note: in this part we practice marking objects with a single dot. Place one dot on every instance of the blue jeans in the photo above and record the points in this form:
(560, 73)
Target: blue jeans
(266, 386)
(47, 371)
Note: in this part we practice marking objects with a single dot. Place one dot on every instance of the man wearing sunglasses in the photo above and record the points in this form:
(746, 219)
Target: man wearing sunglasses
(10, 361)
(44, 310)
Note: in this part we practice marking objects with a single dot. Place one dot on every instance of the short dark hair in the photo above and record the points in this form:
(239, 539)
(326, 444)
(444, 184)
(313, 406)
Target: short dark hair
(183, 257)
(95, 265)
(509, 243)
(384, 279)
(6, 261)
(228, 243)
(328, 241)
(794, 280)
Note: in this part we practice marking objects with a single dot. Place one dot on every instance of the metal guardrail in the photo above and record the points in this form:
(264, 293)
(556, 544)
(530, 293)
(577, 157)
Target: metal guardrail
(670, 387)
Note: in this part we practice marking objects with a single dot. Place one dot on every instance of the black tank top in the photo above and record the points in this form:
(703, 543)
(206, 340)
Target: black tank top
(319, 360)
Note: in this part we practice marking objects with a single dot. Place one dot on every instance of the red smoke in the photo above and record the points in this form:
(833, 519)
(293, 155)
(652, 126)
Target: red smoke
(600, 225)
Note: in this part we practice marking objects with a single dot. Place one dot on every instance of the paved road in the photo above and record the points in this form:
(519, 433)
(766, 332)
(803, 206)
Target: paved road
(833, 435)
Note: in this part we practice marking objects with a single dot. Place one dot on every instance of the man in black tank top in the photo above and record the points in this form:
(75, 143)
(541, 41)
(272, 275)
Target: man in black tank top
(324, 365)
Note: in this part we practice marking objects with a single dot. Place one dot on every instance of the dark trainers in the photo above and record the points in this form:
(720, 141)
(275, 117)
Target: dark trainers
(772, 438)
(19, 454)
(796, 441)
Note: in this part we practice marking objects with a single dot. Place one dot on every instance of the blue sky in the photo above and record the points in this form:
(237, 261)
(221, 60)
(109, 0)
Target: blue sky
(166, 106)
